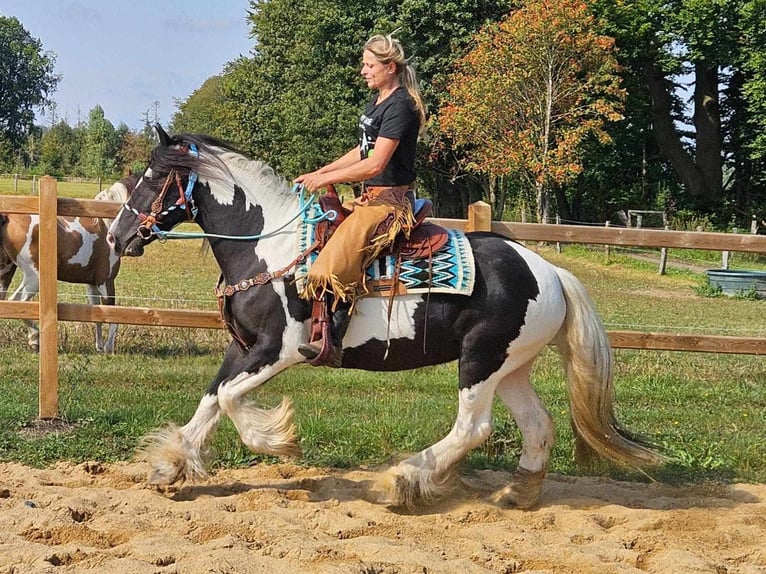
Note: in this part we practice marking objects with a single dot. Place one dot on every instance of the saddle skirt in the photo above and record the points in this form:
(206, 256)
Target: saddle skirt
(431, 262)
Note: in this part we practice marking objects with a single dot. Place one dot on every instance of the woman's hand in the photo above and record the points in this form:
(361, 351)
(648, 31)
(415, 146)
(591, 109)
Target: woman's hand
(313, 181)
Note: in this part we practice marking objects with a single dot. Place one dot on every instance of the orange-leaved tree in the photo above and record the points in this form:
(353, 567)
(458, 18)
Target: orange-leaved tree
(523, 101)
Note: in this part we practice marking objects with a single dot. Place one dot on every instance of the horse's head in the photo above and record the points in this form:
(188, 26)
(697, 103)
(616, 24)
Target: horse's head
(161, 199)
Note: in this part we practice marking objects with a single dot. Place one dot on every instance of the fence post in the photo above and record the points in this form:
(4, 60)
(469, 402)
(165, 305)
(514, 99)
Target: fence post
(15, 183)
(725, 255)
(664, 256)
(48, 257)
(558, 243)
(479, 217)
(607, 247)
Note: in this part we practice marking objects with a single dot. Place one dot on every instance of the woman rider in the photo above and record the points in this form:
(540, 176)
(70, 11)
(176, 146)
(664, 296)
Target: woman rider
(384, 161)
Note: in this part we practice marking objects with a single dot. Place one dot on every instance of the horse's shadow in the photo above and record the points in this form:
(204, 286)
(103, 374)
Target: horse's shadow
(586, 493)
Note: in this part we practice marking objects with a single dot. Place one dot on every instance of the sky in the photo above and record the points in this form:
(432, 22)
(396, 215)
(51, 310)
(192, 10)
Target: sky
(126, 54)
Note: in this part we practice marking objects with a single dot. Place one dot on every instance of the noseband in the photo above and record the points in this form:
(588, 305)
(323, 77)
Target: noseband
(148, 225)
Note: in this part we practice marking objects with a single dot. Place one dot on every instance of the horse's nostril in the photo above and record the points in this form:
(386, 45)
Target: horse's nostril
(110, 240)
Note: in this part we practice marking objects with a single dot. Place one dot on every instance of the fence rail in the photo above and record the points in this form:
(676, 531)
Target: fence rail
(48, 311)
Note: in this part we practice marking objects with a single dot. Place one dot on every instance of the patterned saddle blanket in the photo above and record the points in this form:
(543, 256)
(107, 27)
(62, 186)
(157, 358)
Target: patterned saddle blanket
(450, 269)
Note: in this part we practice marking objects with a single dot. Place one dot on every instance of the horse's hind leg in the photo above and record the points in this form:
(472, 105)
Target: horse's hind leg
(536, 426)
(430, 473)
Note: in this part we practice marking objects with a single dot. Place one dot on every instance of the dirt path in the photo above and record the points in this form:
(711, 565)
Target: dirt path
(289, 519)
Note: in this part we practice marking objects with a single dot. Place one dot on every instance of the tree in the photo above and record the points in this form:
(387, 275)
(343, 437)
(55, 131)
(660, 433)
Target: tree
(27, 83)
(524, 101)
(100, 146)
(59, 150)
(204, 111)
(703, 52)
(754, 87)
(134, 151)
(436, 35)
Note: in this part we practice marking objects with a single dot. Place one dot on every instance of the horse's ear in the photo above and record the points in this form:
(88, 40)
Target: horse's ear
(162, 134)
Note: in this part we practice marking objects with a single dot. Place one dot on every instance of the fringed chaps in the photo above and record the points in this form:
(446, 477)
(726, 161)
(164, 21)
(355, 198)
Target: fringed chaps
(376, 219)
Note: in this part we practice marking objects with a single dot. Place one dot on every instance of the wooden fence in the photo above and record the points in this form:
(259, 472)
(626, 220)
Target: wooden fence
(48, 311)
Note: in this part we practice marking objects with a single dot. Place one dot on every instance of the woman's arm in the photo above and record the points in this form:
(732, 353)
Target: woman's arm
(340, 171)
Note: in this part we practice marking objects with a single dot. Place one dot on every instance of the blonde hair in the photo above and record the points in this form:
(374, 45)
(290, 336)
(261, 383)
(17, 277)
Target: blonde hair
(387, 49)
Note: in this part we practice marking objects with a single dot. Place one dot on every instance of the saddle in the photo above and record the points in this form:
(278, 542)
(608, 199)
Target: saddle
(424, 239)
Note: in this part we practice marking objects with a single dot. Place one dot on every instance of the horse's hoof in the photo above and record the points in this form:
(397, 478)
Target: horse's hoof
(523, 492)
(394, 490)
(165, 475)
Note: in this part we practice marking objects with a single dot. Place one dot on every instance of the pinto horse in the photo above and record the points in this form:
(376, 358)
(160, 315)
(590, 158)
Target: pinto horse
(84, 256)
(519, 304)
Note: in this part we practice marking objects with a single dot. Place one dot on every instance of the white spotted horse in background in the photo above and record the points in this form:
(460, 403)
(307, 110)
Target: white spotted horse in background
(519, 304)
(84, 256)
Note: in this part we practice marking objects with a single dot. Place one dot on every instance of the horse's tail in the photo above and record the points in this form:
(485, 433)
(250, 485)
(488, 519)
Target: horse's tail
(587, 355)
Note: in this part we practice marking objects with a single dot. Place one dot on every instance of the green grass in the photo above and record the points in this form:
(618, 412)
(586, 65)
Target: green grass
(77, 189)
(707, 410)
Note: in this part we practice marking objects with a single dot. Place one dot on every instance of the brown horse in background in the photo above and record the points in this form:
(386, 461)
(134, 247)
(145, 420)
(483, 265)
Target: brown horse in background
(83, 257)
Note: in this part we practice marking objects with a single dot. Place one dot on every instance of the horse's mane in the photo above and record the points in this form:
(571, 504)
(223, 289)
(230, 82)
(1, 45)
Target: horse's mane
(218, 162)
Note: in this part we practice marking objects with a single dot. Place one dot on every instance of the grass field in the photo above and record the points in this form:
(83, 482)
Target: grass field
(86, 189)
(708, 410)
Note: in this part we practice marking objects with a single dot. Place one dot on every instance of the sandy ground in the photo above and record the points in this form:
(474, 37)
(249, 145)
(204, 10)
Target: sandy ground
(289, 519)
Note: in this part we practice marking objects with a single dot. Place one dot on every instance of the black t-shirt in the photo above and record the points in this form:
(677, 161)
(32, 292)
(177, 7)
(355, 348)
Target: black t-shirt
(395, 118)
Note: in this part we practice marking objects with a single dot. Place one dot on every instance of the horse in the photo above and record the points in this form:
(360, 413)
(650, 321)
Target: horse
(519, 304)
(84, 256)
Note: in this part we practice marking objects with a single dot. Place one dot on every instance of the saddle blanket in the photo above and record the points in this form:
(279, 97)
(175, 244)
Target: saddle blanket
(451, 269)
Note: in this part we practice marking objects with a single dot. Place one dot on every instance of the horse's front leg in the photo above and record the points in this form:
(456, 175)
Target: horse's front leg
(178, 453)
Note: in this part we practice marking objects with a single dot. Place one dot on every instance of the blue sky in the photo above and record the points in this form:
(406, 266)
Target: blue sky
(123, 55)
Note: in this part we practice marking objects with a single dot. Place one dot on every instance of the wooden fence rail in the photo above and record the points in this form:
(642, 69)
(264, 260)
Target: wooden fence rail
(48, 311)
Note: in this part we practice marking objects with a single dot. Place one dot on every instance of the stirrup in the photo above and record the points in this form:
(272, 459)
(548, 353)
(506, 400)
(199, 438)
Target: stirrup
(322, 352)
(310, 350)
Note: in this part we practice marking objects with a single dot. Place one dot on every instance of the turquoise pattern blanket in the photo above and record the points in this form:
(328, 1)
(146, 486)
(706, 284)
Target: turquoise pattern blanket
(451, 269)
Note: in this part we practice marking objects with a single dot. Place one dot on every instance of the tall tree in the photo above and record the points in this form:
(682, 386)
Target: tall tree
(100, 146)
(134, 150)
(692, 49)
(204, 111)
(754, 89)
(535, 87)
(436, 35)
(27, 82)
(59, 150)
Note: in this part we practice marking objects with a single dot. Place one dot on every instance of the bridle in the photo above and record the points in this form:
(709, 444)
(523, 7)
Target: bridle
(148, 225)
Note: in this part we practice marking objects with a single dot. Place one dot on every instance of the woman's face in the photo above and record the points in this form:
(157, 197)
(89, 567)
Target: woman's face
(377, 74)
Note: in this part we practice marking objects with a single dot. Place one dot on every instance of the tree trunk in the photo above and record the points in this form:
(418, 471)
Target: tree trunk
(543, 202)
(701, 178)
(707, 121)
